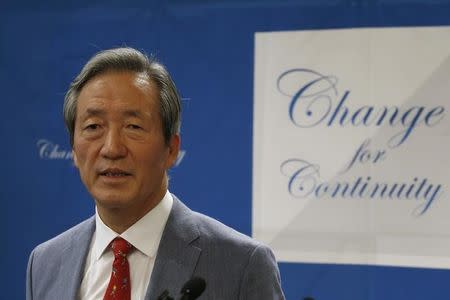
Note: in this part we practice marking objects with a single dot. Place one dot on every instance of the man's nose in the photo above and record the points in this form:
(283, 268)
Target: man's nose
(113, 146)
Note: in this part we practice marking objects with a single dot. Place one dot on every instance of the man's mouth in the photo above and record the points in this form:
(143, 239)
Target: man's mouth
(114, 173)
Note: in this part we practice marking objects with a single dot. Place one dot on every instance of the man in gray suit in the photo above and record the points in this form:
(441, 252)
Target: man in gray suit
(123, 115)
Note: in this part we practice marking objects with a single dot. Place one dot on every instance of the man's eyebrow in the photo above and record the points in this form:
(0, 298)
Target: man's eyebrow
(93, 112)
(133, 113)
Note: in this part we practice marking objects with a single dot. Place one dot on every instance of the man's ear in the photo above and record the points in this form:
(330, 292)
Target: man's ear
(75, 159)
(174, 149)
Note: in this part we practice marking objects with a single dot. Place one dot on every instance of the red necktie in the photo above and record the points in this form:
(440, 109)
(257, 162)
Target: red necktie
(119, 286)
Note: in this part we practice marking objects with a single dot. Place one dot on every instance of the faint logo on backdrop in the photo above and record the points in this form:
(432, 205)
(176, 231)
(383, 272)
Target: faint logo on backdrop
(49, 150)
(53, 151)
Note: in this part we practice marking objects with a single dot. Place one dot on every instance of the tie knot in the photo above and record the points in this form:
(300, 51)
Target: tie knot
(120, 247)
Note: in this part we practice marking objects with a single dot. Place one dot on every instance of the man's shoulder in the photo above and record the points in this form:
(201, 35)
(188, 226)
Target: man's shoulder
(216, 230)
(248, 266)
(221, 238)
(64, 239)
(55, 264)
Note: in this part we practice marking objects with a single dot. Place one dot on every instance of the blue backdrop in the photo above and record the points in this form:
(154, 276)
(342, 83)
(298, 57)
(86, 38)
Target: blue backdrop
(208, 46)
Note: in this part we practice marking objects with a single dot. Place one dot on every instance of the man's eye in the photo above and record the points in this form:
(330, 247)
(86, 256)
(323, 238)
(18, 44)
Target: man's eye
(92, 127)
(134, 126)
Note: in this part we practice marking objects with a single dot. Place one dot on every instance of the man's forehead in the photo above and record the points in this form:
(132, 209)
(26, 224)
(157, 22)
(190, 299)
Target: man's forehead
(101, 107)
(129, 93)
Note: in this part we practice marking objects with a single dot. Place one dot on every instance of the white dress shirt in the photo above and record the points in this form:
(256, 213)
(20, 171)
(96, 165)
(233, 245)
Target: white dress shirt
(144, 235)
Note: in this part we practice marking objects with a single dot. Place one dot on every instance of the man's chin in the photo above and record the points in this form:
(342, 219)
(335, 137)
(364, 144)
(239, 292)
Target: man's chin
(112, 202)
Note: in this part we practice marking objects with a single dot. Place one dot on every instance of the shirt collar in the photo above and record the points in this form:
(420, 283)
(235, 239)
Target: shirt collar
(144, 235)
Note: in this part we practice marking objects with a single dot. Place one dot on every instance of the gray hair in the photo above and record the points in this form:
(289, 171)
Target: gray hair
(128, 59)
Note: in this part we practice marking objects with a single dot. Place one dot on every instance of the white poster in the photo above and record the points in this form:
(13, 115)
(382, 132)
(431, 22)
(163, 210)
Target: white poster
(351, 145)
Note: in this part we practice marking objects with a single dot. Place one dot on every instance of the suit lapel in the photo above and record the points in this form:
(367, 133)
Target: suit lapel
(177, 256)
(74, 259)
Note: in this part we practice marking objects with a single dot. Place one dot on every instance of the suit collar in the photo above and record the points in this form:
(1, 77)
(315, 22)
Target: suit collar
(74, 258)
(177, 254)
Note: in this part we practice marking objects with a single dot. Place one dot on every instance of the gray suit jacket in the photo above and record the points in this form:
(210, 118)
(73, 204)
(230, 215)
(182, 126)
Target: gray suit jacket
(233, 265)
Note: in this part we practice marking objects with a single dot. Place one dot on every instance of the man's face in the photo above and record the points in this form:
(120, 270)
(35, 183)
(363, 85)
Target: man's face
(119, 146)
